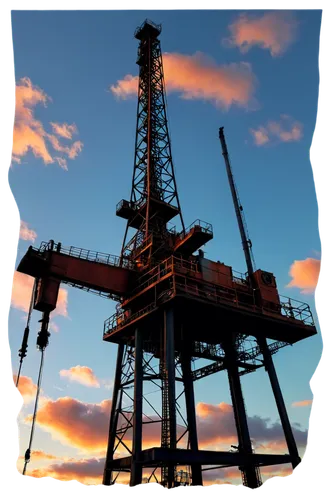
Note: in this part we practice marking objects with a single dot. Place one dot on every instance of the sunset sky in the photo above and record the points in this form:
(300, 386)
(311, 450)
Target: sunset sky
(76, 82)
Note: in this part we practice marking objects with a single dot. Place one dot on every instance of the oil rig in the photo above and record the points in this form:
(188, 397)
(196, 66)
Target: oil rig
(174, 306)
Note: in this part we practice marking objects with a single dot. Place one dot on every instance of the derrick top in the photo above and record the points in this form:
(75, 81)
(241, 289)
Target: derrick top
(148, 29)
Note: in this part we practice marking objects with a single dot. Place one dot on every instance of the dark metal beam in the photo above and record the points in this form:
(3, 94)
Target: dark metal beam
(156, 456)
(244, 440)
(185, 360)
(169, 345)
(113, 418)
(136, 469)
(270, 368)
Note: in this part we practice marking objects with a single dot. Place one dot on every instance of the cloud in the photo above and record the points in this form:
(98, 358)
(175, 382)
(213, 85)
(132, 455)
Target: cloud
(305, 274)
(30, 134)
(41, 455)
(88, 471)
(216, 427)
(81, 374)
(305, 402)
(273, 31)
(285, 130)
(21, 296)
(64, 130)
(260, 136)
(27, 233)
(26, 388)
(81, 425)
(199, 77)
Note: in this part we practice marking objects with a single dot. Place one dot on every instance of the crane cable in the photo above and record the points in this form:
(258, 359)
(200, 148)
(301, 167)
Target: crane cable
(24, 346)
(28, 452)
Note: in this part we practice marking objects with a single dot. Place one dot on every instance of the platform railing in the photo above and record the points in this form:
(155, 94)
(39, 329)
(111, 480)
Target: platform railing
(82, 253)
(120, 318)
(205, 227)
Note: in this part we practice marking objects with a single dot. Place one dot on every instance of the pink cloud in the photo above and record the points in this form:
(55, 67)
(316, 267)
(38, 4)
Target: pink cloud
(199, 77)
(260, 136)
(30, 134)
(81, 374)
(27, 233)
(64, 130)
(273, 31)
(305, 274)
(21, 296)
(285, 130)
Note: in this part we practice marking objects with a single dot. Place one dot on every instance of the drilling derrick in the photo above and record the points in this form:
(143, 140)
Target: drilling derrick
(154, 198)
(173, 306)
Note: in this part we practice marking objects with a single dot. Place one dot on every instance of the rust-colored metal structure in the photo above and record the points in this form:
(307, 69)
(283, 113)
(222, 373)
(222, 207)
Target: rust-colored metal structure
(174, 306)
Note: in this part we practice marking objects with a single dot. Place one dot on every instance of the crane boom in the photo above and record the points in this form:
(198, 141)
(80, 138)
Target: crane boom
(246, 242)
(93, 271)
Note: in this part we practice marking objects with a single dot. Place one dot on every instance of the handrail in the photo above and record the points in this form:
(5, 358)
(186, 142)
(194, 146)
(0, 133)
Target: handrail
(206, 227)
(82, 253)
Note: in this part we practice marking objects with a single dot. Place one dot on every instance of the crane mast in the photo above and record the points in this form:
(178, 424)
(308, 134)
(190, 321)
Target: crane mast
(246, 242)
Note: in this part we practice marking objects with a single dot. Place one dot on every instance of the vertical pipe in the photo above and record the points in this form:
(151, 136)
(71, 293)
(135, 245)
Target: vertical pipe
(245, 241)
(113, 418)
(190, 412)
(244, 439)
(270, 368)
(136, 468)
(169, 343)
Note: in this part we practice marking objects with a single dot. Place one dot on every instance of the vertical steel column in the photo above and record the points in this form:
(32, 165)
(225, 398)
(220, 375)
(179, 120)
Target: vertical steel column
(113, 418)
(169, 346)
(270, 368)
(244, 441)
(190, 411)
(136, 468)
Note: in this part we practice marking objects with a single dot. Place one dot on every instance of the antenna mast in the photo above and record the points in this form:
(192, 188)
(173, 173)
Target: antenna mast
(246, 242)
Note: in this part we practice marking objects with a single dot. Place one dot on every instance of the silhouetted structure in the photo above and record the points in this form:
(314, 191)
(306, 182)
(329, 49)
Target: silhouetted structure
(174, 306)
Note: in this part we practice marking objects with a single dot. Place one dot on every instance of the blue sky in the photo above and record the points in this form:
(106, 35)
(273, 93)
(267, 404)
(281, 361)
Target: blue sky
(75, 57)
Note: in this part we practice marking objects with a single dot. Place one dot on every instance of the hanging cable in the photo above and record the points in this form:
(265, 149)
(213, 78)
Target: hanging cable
(24, 346)
(42, 342)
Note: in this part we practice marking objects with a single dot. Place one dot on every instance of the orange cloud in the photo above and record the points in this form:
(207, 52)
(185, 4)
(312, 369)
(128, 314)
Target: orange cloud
(82, 425)
(21, 295)
(41, 455)
(26, 388)
(305, 274)
(26, 233)
(305, 402)
(87, 471)
(199, 77)
(29, 133)
(81, 374)
(274, 31)
(286, 130)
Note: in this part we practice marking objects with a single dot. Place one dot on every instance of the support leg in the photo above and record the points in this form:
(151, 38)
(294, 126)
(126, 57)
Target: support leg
(113, 418)
(136, 468)
(190, 411)
(270, 368)
(169, 350)
(250, 473)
